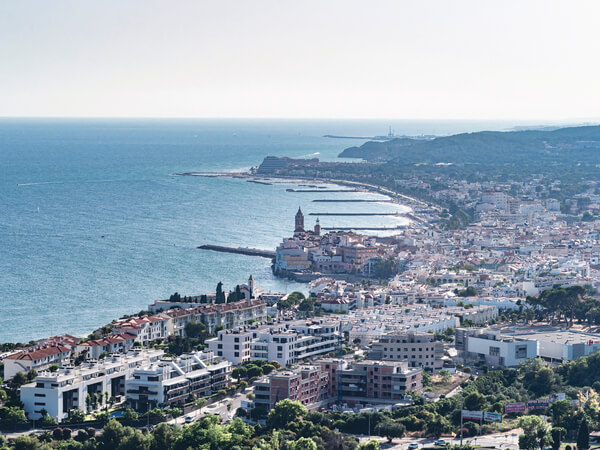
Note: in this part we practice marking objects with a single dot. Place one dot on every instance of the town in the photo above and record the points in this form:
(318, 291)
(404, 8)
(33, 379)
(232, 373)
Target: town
(388, 324)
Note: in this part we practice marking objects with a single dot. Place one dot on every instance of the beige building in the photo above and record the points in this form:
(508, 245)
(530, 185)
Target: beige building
(418, 349)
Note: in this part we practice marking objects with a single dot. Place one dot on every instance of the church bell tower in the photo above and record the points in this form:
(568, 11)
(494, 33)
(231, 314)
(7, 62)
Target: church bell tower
(299, 222)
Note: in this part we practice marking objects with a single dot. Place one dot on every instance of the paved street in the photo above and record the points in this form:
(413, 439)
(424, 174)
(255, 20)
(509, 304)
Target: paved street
(219, 408)
(508, 440)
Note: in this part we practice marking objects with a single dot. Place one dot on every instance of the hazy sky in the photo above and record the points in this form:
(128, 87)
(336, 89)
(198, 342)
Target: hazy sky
(251, 58)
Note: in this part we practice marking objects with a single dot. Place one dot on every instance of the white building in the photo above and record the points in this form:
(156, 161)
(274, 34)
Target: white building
(38, 359)
(59, 392)
(174, 381)
(285, 343)
(493, 348)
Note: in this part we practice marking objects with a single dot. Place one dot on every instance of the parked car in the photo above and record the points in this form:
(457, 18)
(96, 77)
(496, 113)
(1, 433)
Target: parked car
(440, 442)
(413, 446)
(188, 420)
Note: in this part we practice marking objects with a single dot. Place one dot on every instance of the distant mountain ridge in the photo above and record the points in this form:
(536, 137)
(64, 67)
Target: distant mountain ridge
(563, 145)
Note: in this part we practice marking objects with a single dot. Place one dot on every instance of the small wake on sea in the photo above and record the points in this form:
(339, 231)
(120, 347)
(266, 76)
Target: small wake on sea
(310, 155)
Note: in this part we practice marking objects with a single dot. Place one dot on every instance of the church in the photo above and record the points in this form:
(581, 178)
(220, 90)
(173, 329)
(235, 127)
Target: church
(299, 228)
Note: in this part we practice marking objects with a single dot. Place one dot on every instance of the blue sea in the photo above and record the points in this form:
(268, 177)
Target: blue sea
(94, 225)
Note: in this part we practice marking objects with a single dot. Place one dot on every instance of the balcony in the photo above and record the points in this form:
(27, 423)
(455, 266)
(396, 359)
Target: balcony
(141, 392)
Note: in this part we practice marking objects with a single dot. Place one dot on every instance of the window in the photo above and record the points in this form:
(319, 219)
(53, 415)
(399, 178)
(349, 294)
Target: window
(521, 351)
(40, 395)
(494, 351)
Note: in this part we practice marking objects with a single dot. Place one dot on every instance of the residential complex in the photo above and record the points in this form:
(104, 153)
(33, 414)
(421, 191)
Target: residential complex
(331, 381)
(418, 349)
(286, 342)
(144, 379)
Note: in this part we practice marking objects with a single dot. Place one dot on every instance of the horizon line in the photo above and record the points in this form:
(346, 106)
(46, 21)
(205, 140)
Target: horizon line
(432, 119)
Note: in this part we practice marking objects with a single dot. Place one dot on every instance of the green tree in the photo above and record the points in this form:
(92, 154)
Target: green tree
(113, 434)
(31, 375)
(583, 435)
(164, 436)
(438, 426)
(26, 442)
(253, 371)
(267, 369)
(239, 373)
(558, 433)
(130, 416)
(18, 380)
(76, 416)
(12, 415)
(371, 445)
(285, 411)
(196, 330)
(220, 295)
(48, 421)
(536, 433)
(561, 412)
(303, 444)
(135, 440)
(390, 429)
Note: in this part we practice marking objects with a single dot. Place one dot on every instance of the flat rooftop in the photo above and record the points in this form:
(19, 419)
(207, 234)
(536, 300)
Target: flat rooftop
(564, 337)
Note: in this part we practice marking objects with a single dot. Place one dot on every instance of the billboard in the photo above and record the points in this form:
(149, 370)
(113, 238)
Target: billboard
(537, 404)
(515, 407)
(492, 417)
(473, 415)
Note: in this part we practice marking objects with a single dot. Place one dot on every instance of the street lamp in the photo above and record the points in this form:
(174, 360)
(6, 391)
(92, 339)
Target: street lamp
(462, 401)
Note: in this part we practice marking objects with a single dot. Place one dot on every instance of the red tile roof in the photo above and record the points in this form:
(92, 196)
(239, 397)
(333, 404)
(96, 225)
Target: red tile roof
(41, 353)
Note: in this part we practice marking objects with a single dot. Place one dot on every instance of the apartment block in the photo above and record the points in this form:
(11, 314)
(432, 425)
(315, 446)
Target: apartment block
(307, 384)
(331, 381)
(418, 349)
(286, 343)
(371, 382)
(176, 380)
(59, 392)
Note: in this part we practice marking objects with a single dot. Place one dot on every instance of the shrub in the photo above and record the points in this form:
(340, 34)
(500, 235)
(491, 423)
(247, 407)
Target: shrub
(57, 434)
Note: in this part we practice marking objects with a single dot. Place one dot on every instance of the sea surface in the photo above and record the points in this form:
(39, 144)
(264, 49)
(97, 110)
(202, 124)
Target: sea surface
(94, 224)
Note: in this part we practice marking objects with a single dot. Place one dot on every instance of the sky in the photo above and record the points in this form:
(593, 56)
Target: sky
(426, 59)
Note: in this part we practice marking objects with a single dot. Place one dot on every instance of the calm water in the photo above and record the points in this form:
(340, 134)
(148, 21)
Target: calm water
(93, 225)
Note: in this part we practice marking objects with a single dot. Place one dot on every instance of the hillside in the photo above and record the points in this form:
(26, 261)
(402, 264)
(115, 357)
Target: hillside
(578, 145)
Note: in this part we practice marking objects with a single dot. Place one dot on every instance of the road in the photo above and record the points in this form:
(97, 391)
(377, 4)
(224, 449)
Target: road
(219, 408)
(509, 440)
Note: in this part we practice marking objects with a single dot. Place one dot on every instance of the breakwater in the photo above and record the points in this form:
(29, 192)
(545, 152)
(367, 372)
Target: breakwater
(320, 190)
(399, 227)
(355, 214)
(239, 250)
(353, 200)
